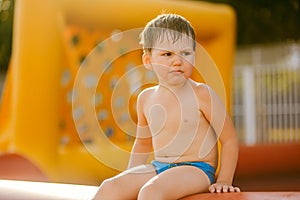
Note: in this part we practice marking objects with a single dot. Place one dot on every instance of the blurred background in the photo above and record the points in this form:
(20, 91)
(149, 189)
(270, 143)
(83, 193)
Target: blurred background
(265, 94)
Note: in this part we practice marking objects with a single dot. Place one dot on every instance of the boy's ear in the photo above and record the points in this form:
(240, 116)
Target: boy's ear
(147, 61)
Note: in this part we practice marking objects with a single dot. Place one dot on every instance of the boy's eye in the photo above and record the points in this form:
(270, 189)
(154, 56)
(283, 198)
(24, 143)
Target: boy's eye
(167, 54)
(186, 53)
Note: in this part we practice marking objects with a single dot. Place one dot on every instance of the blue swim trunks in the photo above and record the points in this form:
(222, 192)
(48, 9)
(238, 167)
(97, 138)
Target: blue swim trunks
(205, 167)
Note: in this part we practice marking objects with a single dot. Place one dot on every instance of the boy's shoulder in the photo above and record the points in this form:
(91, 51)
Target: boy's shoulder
(150, 89)
(203, 90)
(200, 87)
(147, 91)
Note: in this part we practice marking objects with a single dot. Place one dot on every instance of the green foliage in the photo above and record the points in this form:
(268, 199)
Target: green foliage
(6, 19)
(265, 21)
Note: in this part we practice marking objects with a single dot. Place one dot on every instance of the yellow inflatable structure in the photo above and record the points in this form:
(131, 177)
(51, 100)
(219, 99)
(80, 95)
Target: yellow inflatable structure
(68, 102)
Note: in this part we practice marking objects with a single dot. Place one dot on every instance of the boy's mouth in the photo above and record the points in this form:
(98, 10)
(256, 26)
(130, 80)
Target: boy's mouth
(177, 71)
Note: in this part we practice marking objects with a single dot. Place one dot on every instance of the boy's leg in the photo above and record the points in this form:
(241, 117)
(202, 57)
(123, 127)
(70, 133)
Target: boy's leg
(125, 185)
(175, 183)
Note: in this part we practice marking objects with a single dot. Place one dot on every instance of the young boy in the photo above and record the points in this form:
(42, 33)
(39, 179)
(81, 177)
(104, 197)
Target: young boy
(180, 119)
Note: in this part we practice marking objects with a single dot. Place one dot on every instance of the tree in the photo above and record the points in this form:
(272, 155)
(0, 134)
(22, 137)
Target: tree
(6, 21)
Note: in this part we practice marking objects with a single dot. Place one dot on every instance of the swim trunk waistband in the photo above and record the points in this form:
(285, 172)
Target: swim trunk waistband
(205, 167)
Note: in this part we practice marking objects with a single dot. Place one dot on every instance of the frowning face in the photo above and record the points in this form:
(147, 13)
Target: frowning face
(172, 61)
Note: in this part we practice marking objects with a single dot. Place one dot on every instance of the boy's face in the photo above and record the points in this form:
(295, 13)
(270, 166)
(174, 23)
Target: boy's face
(171, 61)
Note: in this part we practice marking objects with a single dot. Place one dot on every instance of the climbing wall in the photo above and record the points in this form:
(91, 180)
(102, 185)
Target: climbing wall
(108, 64)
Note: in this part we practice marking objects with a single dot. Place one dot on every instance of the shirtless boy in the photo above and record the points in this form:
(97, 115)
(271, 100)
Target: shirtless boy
(180, 120)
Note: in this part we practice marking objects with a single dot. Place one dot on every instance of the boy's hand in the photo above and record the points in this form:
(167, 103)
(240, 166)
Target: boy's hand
(222, 187)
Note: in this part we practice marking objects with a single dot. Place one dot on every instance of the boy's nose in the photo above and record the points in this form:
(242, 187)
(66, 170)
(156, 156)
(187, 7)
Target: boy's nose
(177, 60)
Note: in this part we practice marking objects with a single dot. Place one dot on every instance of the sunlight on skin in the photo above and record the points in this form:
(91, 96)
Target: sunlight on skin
(157, 111)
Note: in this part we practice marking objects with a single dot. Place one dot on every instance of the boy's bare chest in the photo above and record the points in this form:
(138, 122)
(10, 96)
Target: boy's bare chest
(172, 113)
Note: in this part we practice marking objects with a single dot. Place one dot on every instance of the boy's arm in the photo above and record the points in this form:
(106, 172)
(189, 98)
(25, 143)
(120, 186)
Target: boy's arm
(140, 151)
(143, 143)
(228, 161)
(215, 112)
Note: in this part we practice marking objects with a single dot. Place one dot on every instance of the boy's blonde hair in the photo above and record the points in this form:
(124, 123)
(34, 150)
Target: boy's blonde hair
(157, 28)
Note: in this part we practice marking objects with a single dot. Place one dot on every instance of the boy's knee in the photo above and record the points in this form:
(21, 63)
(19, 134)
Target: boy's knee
(150, 191)
(108, 189)
(109, 185)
